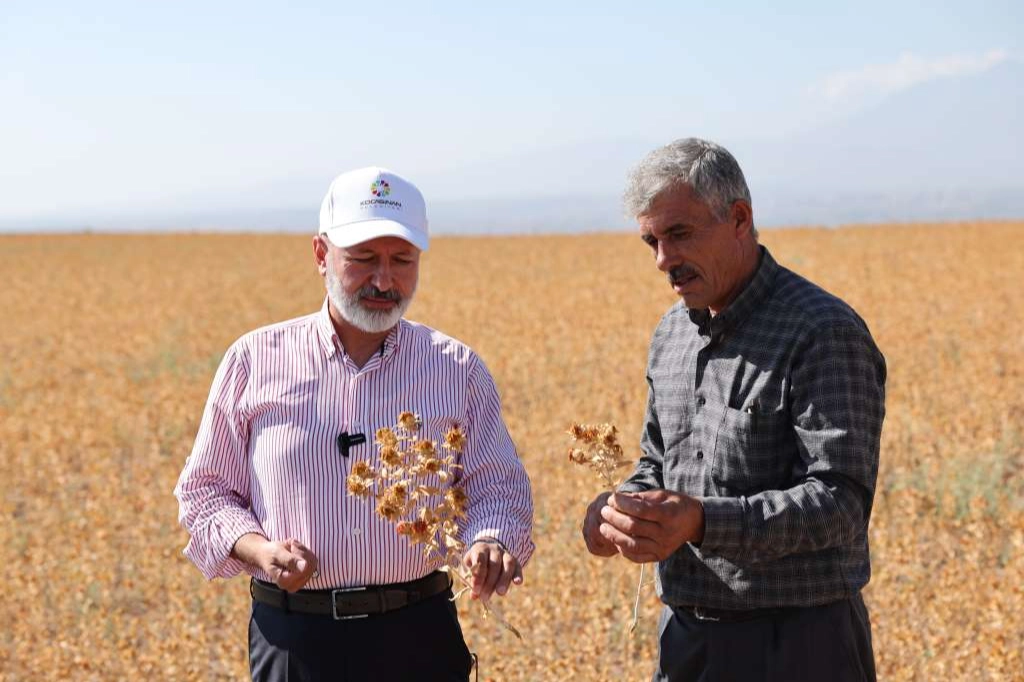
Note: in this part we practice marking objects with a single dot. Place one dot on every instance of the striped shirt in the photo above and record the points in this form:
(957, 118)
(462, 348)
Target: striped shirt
(266, 458)
(770, 413)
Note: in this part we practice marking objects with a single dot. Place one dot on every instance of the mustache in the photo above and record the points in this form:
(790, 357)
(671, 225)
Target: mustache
(370, 291)
(681, 273)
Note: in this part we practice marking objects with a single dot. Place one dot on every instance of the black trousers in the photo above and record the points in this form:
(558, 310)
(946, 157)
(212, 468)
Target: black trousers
(419, 642)
(829, 643)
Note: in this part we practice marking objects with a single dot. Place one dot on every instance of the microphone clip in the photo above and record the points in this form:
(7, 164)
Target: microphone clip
(347, 440)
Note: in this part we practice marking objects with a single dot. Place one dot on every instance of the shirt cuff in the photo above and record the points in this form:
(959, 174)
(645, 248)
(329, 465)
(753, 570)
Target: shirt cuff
(213, 557)
(519, 547)
(723, 524)
(488, 538)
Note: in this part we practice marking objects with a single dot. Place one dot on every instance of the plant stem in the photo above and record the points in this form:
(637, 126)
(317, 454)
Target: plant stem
(636, 604)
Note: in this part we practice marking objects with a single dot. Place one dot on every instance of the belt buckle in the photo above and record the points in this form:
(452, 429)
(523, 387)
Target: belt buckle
(701, 614)
(334, 603)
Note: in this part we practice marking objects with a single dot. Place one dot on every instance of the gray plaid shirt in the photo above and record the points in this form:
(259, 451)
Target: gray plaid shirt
(771, 414)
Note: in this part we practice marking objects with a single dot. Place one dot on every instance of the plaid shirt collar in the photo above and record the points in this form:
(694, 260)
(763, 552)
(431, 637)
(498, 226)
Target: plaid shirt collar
(757, 290)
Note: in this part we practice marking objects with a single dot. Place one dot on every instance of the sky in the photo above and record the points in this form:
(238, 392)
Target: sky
(129, 113)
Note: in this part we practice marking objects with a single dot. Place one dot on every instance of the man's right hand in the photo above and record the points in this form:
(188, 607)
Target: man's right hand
(597, 544)
(289, 563)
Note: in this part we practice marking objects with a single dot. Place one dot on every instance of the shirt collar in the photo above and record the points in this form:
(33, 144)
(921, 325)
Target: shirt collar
(326, 332)
(331, 342)
(393, 339)
(757, 290)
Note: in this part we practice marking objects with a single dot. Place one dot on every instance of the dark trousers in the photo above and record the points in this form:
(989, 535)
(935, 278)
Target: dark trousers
(821, 643)
(419, 642)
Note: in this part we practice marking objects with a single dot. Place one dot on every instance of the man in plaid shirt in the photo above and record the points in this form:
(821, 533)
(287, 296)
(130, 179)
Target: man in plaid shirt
(760, 444)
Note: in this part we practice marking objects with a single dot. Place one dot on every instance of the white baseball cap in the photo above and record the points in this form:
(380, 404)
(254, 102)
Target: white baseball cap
(373, 202)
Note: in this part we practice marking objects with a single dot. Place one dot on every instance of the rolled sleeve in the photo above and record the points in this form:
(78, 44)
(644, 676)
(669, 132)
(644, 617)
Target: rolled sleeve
(500, 498)
(213, 489)
(211, 551)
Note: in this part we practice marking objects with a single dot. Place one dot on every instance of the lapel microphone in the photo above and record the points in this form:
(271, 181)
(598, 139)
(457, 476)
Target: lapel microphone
(346, 440)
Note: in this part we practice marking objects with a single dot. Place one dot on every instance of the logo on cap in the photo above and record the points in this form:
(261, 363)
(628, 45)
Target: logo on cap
(380, 188)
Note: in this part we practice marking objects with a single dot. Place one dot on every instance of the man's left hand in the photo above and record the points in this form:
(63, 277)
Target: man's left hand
(652, 524)
(493, 569)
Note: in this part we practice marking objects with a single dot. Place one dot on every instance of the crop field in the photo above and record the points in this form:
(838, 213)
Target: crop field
(108, 345)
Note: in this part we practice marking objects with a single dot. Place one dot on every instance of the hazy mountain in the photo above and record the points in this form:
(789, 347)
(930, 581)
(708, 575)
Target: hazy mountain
(943, 150)
(947, 149)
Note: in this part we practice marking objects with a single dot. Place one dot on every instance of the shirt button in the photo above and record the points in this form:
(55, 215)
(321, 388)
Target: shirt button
(701, 400)
(357, 531)
(700, 454)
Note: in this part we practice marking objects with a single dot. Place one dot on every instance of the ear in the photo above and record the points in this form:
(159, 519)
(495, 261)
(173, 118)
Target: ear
(320, 254)
(742, 217)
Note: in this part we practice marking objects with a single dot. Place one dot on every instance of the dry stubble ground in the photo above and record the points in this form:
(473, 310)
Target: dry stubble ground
(108, 345)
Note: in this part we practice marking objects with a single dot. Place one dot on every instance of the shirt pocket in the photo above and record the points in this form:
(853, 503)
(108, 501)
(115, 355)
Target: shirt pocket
(751, 452)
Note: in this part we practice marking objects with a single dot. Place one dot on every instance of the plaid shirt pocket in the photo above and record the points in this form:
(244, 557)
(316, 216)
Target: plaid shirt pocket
(751, 451)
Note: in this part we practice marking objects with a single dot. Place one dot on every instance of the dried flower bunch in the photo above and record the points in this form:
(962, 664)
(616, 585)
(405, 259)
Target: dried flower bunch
(602, 453)
(413, 489)
(407, 486)
(600, 450)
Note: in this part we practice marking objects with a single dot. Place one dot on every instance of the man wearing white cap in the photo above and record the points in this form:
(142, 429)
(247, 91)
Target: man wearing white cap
(337, 594)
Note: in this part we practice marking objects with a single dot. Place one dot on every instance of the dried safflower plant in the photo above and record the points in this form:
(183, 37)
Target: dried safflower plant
(412, 490)
(597, 447)
(600, 450)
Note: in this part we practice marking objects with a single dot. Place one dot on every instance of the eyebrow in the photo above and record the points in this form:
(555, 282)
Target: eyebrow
(679, 226)
(675, 227)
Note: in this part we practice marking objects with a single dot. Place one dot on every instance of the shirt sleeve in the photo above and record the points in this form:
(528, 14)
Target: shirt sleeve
(837, 403)
(213, 489)
(500, 498)
(647, 475)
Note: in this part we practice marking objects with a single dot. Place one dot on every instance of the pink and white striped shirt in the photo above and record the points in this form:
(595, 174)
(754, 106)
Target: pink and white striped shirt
(266, 458)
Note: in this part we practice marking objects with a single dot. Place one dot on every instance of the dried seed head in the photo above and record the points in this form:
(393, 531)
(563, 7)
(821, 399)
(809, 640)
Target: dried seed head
(386, 438)
(420, 532)
(389, 509)
(357, 485)
(424, 448)
(577, 456)
(455, 439)
(391, 456)
(457, 500)
(363, 469)
(409, 421)
(400, 491)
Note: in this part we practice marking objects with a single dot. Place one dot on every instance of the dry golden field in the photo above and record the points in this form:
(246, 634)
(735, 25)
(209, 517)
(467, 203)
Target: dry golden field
(108, 345)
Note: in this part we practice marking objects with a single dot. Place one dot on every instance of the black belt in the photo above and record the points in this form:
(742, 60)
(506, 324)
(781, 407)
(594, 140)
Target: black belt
(351, 602)
(729, 615)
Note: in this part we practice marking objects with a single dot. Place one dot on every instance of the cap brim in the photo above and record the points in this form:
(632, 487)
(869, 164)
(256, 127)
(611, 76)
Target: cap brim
(357, 233)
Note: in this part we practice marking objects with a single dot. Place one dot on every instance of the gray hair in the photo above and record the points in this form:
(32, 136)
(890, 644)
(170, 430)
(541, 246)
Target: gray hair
(707, 168)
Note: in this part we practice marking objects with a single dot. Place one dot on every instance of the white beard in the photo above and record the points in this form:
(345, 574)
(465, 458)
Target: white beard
(360, 317)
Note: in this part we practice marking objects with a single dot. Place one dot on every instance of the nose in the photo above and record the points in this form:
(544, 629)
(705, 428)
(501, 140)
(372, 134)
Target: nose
(382, 277)
(665, 258)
